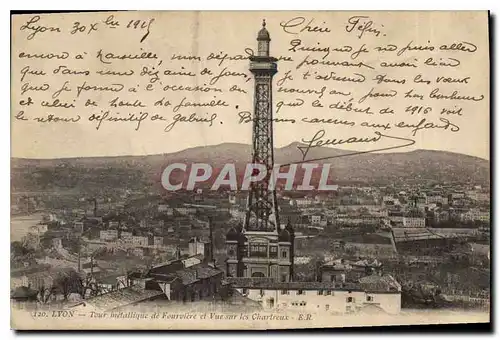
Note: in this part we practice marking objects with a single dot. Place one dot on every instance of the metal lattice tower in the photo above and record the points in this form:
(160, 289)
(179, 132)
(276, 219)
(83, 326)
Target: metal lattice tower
(262, 207)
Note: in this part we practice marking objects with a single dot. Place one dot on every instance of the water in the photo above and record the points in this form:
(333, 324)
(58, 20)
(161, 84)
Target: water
(20, 225)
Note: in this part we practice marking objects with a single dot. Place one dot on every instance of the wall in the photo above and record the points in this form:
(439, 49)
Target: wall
(199, 247)
(108, 235)
(201, 289)
(337, 301)
(412, 222)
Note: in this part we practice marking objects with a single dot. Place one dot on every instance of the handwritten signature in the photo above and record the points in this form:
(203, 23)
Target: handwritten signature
(318, 141)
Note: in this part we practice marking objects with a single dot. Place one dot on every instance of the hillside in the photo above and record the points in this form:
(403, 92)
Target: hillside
(140, 171)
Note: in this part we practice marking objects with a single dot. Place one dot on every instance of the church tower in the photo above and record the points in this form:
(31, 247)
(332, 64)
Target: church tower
(259, 247)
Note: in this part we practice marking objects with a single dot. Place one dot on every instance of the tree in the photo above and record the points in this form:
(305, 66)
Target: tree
(309, 271)
(67, 283)
(30, 241)
(89, 287)
(20, 250)
(318, 263)
(45, 293)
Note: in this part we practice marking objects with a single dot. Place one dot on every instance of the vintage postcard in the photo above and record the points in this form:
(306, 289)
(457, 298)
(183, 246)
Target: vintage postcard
(249, 170)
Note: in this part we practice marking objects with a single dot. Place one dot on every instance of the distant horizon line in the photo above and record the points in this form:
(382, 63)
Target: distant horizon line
(227, 143)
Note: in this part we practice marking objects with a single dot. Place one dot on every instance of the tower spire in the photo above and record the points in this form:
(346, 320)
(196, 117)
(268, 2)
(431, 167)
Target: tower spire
(264, 40)
(246, 249)
(262, 207)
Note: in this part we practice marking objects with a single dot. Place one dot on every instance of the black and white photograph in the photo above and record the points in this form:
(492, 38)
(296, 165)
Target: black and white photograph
(249, 170)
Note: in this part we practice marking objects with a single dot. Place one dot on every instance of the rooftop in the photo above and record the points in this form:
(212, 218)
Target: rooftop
(380, 283)
(24, 293)
(188, 275)
(295, 285)
(373, 283)
(122, 297)
(348, 264)
(50, 273)
(18, 272)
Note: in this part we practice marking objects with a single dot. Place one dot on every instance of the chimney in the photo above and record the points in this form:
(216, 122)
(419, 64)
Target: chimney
(178, 253)
(211, 255)
(79, 255)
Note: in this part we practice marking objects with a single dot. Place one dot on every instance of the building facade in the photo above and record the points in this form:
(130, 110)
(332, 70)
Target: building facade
(108, 235)
(201, 247)
(413, 222)
(323, 297)
(260, 254)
